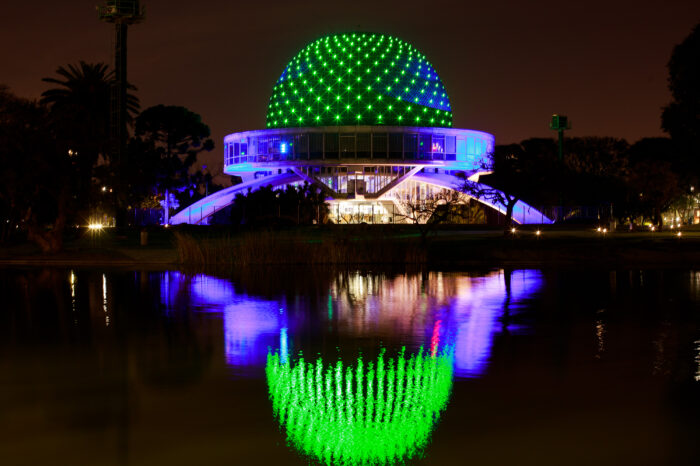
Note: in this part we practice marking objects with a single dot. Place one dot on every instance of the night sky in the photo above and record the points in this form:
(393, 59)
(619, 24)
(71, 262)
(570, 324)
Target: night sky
(507, 66)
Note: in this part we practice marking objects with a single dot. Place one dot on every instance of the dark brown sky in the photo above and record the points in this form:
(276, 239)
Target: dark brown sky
(506, 65)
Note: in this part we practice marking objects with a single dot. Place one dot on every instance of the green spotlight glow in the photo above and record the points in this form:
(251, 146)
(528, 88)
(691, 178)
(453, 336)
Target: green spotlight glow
(381, 412)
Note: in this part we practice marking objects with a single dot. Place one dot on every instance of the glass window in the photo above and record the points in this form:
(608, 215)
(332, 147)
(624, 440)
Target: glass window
(379, 145)
(262, 146)
(331, 145)
(286, 145)
(450, 145)
(236, 149)
(244, 148)
(275, 147)
(461, 149)
(347, 146)
(424, 147)
(363, 145)
(438, 144)
(410, 146)
(395, 146)
(301, 147)
(316, 146)
(470, 146)
(253, 147)
(438, 147)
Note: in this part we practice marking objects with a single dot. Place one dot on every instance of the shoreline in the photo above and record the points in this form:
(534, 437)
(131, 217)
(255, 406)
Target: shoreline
(448, 249)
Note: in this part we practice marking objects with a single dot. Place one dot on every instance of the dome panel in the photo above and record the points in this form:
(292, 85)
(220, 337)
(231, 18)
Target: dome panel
(359, 79)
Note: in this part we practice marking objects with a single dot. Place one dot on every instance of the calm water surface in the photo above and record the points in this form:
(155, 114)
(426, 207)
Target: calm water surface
(289, 366)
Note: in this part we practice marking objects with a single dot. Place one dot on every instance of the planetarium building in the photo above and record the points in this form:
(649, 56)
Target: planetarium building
(365, 118)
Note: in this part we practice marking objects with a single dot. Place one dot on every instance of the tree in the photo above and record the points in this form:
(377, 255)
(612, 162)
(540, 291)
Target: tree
(681, 118)
(35, 195)
(80, 117)
(429, 209)
(302, 205)
(167, 141)
(653, 185)
(513, 172)
(595, 171)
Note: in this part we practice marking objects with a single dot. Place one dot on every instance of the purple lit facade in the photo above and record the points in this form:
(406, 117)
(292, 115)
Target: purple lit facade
(365, 172)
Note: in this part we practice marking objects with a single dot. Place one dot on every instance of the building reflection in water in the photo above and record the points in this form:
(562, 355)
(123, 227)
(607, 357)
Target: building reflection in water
(470, 309)
(251, 324)
(413, 310)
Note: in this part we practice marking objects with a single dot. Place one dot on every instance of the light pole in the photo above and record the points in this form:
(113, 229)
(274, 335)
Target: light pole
(560, 123)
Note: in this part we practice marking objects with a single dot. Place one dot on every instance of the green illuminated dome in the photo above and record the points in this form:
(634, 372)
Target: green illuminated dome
(359, 79)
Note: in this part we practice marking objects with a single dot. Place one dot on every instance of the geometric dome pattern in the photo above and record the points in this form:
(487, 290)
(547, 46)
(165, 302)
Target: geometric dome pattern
(359, 79)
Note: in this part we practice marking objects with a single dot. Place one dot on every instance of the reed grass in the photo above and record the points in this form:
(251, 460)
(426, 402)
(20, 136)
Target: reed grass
(284, 248)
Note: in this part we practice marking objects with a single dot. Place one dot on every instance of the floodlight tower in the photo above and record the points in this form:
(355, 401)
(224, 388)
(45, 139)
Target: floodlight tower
(122, 13)
(559, 123)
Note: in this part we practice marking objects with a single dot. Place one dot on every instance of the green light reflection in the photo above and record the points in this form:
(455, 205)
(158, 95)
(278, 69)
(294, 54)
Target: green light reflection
(381, 412)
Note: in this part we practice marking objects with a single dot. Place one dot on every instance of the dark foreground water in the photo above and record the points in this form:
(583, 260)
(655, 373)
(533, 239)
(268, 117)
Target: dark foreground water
(288, 366)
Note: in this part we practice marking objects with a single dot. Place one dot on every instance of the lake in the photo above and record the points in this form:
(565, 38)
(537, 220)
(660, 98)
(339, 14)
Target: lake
(309, 366)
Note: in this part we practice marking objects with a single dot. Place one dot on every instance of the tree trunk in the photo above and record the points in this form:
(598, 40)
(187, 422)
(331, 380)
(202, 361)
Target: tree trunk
(509, 215)
(167, 207)
(658, 219)
(50, 241)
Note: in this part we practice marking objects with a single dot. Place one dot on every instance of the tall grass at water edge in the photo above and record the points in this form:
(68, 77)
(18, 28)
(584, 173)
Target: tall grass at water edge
(283, 248)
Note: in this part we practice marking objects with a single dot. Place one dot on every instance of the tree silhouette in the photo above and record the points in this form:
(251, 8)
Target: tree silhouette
(168, 140)
(80, 115)
(513, 172)
(293, 205)
(35, 196)
(436, 207)
(681, 118)
(652, 183)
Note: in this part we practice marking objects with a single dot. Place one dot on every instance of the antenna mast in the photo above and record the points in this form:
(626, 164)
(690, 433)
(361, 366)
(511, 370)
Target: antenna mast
(122, 13)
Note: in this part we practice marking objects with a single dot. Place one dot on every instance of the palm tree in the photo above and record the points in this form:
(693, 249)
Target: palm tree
(80, 111)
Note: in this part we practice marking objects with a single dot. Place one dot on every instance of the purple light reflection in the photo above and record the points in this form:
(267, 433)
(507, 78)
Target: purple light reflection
(250, 328)
(251, 325)
(432, 310)
(476, 314)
